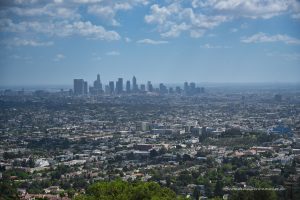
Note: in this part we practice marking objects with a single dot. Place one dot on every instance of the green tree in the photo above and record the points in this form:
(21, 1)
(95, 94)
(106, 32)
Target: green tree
(219, 188)
(8, 191)
(256, 194)
(121, 190)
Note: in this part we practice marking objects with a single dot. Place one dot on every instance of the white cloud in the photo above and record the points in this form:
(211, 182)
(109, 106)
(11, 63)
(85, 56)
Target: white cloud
(209, 46)
(173, 19)
(93, 31)
(25, 42)
(87, 1)
(263, 37)
(59, 18)
(153, 42)
(107, 10)
(20, 57)
(113, 53)
(175, 29)
(96, 56)
(127, 39)
(58, 1)
(250, 8)
(48, 10)
(25, 1)
(296, 16)
(234, 30)
(59, 57)
(286, 56)
(159, 15)
(61, 28)
(197, 33)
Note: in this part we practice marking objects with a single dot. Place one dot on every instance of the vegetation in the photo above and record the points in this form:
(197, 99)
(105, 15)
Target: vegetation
(8, 191)
(121, 190)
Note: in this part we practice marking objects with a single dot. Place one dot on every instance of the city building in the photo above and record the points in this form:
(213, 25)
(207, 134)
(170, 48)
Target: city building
(111, 87)
(97, 87)
(149, 86)
(79, 86)
(128, 89)
(119, 86)
(134, 85)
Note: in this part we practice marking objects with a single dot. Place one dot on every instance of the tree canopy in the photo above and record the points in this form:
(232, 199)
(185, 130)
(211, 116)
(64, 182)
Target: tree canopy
(121, 190)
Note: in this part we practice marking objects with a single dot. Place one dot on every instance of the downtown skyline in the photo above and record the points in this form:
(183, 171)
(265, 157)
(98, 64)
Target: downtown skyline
(51, 42)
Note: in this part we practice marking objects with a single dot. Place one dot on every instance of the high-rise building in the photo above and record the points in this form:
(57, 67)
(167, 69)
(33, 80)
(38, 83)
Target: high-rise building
(186, 87)
(149, 86)
(85, 87)
(119, 86)
(111, 87)
(192, 88)
(143, 87)
(162, 88)
(78, 86)
(97, 83)
(128, 86)
(178, 90)
(107, 89)
(97, 87)
(134, 85)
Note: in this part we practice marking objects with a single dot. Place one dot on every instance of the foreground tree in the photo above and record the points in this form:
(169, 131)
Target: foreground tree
(121, 190)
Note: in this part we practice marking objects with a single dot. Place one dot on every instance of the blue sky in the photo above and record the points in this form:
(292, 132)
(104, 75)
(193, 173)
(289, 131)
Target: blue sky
(51, 42)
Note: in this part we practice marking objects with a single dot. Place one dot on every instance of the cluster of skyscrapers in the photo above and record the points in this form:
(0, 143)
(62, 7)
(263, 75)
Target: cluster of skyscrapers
(81, 87)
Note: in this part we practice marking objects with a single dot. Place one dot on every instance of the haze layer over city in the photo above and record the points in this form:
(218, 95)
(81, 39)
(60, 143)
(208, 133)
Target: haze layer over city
(144, 99)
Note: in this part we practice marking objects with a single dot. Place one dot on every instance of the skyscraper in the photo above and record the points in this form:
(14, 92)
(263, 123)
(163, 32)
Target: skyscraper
(192, 88)
(149, 86)
(119, 86)
(162, 88)
(143, 87)
(128, 86)
(78, 86)
(85, 87)
(111, 87)
(97, 87)
(97, 83)
(134, 85)
(186, 88)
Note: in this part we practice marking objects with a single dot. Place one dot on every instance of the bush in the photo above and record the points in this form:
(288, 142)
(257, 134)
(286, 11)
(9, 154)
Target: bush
(121, 190)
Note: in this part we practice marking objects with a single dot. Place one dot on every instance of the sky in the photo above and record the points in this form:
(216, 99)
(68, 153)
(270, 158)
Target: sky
(51, 42)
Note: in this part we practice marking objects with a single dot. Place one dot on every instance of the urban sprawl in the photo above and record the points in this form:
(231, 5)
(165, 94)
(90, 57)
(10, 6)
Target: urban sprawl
(202, 143)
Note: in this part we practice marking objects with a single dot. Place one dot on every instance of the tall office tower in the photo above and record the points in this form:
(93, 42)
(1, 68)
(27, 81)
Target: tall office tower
(107, 89)
(97, 87)
(186, 87)
(178, 90)
(162, 88)
(128, 86)
(193, 88)
(85, 87)
(111, 87)
(143, 87)
(119, 86)
(149, 86)
(78, 86)
(134, 85)
(97, 83)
